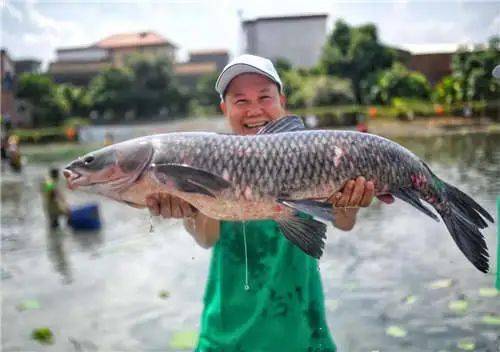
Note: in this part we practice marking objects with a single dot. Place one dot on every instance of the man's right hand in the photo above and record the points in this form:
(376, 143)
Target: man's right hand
(169, 206)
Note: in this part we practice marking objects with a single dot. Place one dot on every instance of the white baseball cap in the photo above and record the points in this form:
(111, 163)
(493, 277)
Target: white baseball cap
(247, 64)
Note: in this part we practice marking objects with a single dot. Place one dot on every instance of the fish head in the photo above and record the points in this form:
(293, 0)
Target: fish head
(111, 169)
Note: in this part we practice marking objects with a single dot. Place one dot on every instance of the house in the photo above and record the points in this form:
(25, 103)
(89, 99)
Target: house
(8, 103)
(201, 63)
(27, 66)
(79, 65)
(434, 66)
(297, 39)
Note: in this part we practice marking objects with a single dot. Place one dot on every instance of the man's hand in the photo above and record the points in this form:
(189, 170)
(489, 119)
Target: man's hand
(205, 230)
(169, 206)
(355, 194)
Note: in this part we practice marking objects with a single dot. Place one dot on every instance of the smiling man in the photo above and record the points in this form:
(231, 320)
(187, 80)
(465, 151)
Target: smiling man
(282, 308)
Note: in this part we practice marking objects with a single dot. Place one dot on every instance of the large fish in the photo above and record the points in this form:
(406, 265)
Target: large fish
(281, 171)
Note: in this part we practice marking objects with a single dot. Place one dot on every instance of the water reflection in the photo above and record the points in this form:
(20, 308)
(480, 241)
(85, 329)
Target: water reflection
(57, 253)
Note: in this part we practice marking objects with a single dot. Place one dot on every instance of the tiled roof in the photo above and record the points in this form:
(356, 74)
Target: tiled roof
(133, 39)
(189, 69)
(208, 51)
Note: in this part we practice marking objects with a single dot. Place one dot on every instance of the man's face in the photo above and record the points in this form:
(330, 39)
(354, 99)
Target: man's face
(252, 100)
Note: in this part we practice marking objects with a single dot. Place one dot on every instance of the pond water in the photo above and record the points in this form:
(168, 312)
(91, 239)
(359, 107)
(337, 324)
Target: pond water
(396, 282)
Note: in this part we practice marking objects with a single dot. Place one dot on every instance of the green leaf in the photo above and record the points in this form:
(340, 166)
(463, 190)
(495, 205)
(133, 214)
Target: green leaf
(184, 340)
(28, 304)
(466, 344)
(444, 283)
(459, 306)
(332, 304)
(491, 319)
(396, 331)
(164, 294)
(488, 292)
(410, 299)
(43, 335)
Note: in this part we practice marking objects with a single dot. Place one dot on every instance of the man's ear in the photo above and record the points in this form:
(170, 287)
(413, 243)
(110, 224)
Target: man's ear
(223, 107)
(283, 100)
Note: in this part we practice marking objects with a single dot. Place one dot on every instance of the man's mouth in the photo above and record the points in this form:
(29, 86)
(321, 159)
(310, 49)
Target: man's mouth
(256, 124)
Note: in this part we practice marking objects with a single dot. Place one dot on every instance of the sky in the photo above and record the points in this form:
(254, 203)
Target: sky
(35, 29)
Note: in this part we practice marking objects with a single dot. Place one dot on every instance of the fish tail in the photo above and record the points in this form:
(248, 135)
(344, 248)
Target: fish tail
(464, 217)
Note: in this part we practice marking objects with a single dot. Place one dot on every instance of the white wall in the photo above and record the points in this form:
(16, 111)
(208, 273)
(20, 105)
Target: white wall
(89, 54)
(300, 40)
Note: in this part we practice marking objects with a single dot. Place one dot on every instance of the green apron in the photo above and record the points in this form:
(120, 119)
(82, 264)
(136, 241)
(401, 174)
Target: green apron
(283, 309)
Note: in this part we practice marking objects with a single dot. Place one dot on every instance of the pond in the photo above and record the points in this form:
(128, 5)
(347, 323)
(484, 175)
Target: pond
(396, 282)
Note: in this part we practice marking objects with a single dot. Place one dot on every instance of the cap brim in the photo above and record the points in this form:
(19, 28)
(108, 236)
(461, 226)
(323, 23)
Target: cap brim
(231, 72)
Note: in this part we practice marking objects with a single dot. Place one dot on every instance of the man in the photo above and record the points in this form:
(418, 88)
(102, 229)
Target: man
(282, 309)
(54, 201)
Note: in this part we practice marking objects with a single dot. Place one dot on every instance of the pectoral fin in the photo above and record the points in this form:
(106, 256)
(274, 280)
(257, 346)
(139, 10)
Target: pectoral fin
(317, 209)
(191, 180)
(308, 234)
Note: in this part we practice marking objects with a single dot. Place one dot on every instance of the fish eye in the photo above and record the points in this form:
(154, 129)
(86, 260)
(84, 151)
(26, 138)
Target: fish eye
(88, 159)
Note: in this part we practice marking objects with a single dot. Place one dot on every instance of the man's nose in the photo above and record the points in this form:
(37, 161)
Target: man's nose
(254, 109)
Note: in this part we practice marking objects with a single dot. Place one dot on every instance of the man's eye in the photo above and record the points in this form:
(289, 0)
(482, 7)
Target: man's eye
(265, 97)
(240, 101)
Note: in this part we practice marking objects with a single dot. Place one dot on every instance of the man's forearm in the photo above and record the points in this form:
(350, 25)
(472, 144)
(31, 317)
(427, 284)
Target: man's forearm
(205, 230)
(345, 218)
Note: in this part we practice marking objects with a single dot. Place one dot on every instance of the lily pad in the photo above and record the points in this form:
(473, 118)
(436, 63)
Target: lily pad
(28, 304)
(488, 292)
(466, 345)
(184, 340)
(164, 294)
(410, 299)
(459, 306)
(332, 304)
(491, 319)
(443, 283)
(43, 335)
(395, 331)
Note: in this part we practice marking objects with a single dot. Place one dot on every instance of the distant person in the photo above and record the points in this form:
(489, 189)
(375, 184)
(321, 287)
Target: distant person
(283, 307)
(5, 134)
(14, 152)
(54, 201)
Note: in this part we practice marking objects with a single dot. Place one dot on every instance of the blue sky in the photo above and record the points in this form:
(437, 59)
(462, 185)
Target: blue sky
(36, 28)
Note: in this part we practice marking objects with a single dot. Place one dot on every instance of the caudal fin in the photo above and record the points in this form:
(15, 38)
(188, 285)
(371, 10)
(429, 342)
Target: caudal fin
(463, 218)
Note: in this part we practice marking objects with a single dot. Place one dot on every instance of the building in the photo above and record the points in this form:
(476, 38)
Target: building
(433, 66)
(201, 63)
(27, 66)
(8, 103)
(79, 65)
(298, 39)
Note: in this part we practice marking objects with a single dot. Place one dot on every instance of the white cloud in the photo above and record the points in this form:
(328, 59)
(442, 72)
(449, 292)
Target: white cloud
(11, 10)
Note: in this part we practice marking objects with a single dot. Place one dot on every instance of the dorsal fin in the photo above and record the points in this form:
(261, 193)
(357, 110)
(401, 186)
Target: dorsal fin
(285, 124)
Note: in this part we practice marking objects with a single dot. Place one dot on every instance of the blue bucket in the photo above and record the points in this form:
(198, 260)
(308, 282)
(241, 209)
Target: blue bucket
(85, 217)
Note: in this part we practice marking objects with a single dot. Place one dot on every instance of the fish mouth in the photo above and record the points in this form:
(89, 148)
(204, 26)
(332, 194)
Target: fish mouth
(74, 179)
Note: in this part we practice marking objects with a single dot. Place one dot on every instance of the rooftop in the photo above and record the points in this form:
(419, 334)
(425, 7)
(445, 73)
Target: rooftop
(286, 18)
(133, 39)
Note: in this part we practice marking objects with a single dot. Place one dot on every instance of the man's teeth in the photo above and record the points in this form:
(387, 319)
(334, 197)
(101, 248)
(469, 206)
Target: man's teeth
(253, 125)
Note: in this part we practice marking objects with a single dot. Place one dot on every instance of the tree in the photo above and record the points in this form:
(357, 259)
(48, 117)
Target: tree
(49, 105)
(355, 53)
(145, 87)
(399, 82)
(473, 69)
(205, 93)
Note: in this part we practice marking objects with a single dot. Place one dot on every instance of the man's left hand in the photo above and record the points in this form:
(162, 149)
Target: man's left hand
(357, 193)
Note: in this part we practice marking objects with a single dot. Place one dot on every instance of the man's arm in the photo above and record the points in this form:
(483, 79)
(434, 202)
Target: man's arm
(204, 230)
